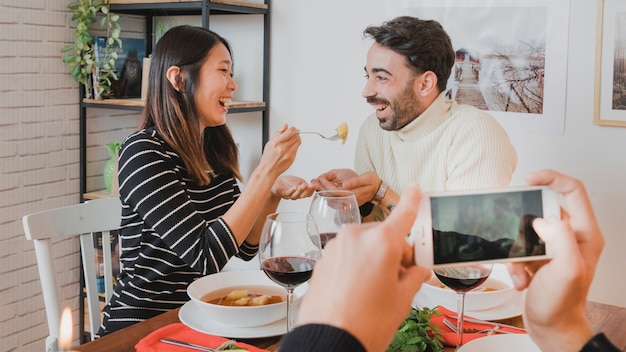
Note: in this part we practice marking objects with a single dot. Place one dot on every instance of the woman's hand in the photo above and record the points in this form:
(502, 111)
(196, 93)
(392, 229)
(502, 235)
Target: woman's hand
(280, 151)
(292, 187)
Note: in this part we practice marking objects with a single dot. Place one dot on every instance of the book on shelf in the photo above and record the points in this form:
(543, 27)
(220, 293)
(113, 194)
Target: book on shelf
(145, 76)
(128, 65)
(98, 258)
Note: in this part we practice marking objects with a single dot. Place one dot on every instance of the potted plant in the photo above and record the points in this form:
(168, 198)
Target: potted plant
(97, 77)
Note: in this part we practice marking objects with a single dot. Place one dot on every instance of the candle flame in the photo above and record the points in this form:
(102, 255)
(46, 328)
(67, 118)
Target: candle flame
(65, 332)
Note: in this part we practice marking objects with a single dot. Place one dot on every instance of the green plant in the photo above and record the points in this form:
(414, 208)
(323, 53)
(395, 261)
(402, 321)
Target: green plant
(110, 167)
(161, 28)
(417, 334)
(81, 56)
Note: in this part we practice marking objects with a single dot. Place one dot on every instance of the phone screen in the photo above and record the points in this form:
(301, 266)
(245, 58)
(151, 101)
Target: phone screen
(488, 226)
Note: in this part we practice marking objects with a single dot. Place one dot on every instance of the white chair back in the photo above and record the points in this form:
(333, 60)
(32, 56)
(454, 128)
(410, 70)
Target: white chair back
(101, 215)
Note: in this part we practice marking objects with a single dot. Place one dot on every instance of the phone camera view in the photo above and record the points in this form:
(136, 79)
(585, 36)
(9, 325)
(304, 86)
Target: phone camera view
(486, 226)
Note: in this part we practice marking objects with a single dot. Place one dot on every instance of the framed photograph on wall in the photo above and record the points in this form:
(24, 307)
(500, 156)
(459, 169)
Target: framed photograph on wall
(511, 57)
(610, 82)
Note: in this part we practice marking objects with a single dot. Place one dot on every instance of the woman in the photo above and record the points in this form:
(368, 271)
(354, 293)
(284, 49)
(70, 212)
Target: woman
(183, 215)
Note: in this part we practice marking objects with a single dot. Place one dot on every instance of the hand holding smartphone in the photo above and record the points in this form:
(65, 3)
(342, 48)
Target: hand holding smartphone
(482, 226)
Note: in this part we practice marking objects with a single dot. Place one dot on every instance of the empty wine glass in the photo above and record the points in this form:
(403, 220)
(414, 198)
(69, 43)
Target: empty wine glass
(461, 280)
(333, 209)
(288, 250)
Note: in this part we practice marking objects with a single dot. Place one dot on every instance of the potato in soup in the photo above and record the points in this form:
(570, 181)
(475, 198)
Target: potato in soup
(252, 296)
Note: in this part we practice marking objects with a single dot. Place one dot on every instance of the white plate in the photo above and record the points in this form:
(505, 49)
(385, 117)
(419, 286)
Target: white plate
(194, 319)
(505, 342)
(512, 308)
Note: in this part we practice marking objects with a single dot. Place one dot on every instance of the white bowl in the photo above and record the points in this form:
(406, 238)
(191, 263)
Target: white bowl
(479, 299)
(222, 283)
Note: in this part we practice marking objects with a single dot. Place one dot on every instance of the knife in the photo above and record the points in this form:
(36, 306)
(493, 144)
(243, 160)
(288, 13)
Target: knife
(478, 321)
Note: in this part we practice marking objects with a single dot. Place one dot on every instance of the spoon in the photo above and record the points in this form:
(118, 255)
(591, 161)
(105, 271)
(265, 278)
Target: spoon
(341, 132)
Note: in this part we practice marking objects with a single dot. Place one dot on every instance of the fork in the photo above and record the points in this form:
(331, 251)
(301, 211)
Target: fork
(331, 138)
(219, 348)
(494, 330)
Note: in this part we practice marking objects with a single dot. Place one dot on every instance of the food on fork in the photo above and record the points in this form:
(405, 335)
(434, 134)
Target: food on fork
(342, 132)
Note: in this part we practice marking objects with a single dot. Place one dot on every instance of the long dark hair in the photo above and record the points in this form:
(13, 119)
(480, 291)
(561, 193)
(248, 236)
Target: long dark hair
(424, 43)
(174, 114)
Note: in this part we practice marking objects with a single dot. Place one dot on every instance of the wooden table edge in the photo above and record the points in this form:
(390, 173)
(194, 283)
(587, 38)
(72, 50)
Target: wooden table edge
(607, 318)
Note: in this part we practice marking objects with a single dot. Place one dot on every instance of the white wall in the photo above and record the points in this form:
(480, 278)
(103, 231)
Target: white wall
(318, 56)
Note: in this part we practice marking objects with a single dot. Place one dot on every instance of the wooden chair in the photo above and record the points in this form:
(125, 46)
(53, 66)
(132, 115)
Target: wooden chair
(80, 220)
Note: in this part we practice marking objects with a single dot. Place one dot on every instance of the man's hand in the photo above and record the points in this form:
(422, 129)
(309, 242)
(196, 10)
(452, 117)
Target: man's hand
(557, 289)
(367, 278)
(363, 186)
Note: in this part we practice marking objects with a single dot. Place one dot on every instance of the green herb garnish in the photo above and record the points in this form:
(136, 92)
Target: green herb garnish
(416, 334)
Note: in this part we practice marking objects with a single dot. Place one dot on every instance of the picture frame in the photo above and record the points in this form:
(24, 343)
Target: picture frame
(610, 73)
(528, 36)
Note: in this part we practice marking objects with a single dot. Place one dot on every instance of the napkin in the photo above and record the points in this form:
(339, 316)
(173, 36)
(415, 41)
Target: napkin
(449, 336)
(180, 331)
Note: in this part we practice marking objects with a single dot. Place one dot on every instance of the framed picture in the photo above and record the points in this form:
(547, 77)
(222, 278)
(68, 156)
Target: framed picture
(610, 84)
(511, 57)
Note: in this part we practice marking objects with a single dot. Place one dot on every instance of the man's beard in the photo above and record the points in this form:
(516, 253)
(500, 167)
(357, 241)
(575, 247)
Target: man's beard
(405, 109)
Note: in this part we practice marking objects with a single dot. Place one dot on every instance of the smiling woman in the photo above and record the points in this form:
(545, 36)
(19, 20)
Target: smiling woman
(183, 214)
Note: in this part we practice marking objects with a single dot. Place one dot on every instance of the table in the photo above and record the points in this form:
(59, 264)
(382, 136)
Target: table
(603, 317)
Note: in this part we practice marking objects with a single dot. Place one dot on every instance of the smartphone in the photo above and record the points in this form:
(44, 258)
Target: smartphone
(482, 226)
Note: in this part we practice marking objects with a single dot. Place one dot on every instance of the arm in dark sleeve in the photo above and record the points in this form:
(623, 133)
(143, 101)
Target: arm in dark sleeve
(320, 338)
(599, 343)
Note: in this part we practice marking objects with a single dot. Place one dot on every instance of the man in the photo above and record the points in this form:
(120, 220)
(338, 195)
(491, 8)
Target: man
(505, 223)
(416, 134)
(365, 307)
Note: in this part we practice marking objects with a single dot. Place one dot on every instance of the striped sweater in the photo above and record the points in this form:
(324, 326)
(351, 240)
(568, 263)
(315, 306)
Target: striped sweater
(171, 231)
(449, 147)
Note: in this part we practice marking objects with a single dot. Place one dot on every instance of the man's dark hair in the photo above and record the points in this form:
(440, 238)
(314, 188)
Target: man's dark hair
(424, 44)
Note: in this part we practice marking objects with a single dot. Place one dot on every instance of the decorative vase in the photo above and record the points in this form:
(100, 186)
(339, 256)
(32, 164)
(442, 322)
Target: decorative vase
(110, 168)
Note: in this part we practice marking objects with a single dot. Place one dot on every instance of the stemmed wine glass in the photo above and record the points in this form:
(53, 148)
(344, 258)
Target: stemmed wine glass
(288, 250)
(462, 279)
(333, 209)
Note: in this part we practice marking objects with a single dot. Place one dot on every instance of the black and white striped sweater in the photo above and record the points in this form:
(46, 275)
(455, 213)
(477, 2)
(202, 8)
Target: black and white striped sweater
(171, 231)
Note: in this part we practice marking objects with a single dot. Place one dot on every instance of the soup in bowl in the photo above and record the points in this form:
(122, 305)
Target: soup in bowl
(241, 298)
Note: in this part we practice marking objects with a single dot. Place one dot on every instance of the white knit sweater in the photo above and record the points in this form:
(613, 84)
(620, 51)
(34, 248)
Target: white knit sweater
(448, 147)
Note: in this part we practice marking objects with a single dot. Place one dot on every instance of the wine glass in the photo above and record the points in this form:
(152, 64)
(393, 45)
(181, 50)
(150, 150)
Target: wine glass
(288, 250)
(333, 209)
(462, 279)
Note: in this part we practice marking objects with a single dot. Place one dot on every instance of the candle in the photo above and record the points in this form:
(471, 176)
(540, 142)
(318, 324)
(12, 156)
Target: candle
(65, 331)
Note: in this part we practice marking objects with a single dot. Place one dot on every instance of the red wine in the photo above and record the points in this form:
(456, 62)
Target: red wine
(456, 278)
(288, 271)
(327, 236)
